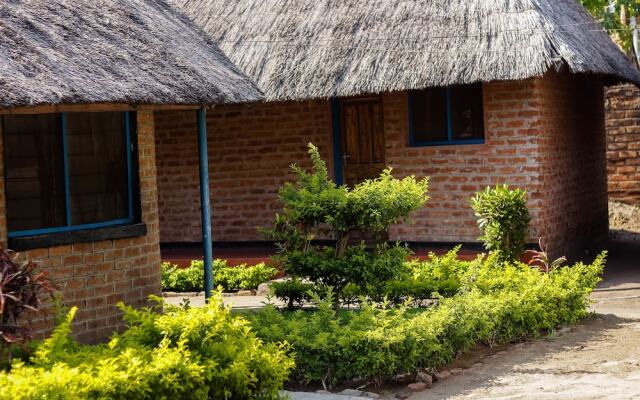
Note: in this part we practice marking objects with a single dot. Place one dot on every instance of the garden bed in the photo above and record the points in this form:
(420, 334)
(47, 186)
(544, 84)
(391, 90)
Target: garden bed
(497, 303)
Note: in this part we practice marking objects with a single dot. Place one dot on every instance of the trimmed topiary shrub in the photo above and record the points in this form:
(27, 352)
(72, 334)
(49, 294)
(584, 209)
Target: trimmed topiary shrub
(314, 205)
(504, 219)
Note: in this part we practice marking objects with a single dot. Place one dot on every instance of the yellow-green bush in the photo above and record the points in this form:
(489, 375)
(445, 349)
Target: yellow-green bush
(195, 353)
(496, 303)
(191, 279)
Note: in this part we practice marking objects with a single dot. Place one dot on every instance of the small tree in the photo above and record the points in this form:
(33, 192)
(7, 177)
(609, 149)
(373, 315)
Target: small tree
(504, 219)
(314, 204)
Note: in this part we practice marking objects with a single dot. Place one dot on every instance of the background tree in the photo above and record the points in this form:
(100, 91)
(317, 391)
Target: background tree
(616, 17)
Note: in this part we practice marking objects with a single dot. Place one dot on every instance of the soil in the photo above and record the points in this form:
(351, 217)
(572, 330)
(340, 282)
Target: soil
(624, 221)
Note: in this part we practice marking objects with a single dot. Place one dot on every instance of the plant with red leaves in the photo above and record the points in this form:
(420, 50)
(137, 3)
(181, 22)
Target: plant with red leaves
(540, 259)
(22, 291)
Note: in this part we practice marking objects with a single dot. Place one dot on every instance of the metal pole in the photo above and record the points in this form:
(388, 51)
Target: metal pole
(205, 202)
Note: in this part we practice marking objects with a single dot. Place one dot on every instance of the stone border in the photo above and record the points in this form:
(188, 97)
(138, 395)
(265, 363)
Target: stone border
(199, 294)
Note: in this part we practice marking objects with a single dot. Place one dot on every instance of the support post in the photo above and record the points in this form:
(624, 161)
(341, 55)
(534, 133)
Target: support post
(205, 203)
(337, 141)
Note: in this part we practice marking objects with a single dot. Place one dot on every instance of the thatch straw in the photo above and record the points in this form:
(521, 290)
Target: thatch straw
(299, 49)
(111, 51)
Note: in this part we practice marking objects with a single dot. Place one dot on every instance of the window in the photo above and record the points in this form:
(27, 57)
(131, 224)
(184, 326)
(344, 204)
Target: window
(68, 172)
(451, 115)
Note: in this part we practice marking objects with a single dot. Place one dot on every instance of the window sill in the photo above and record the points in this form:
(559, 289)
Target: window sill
(443, 143)
(82, 236)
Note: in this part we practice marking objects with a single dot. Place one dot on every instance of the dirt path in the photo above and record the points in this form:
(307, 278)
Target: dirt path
(596, 359)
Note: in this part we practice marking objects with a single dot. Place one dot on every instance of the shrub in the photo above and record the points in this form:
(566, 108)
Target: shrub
(22, 291)
(293, 292)
(243, 277)
(191, 279)
(196, 353)
(419, 281)
(368, 270)
(314, 204)
(178, 279)
(504, 219)
(496, 303)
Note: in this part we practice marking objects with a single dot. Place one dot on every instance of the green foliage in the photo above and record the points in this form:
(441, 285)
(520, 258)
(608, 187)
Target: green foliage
(314, 204)
(178, 279)
(375, 204)
(612, 19)
(195, 353)
(418, 281)
(191, 279)
(243, 277)
(504, 219)
(368, 270)
(497, 303)
(293, 292)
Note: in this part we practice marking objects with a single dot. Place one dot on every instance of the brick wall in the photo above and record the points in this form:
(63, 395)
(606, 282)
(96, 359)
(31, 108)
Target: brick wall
(623, 143)
(573, 159)
(458, 171)
(538, 136)
(95, 276)
(250, 151)
(545, 135)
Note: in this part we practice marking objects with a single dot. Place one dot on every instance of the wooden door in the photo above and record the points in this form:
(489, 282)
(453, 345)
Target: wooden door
(362, 139)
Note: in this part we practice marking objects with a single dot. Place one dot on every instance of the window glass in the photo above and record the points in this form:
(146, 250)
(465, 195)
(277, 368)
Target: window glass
(34, 171)
(467, 122)
(452, 115)
(97, 165)
(66, 171)
(429, 115)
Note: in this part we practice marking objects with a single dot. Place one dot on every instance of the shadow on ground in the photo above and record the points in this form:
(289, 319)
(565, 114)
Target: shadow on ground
(623, 266)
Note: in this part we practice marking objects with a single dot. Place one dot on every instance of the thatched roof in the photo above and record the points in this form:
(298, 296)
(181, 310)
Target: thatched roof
(297, 49)
(111, 51)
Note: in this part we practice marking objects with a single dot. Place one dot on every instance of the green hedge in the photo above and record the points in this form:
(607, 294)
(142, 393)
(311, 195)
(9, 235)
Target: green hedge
(418, 281)
(191, 279)
(496, 304)
(198, 353)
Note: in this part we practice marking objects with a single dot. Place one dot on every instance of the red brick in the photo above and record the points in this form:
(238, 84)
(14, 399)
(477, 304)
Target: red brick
(60, 251)
(72, 260)
(622, 121)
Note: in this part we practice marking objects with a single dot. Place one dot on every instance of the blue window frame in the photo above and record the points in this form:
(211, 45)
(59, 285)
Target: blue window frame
(67, 172)
(446, 116)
